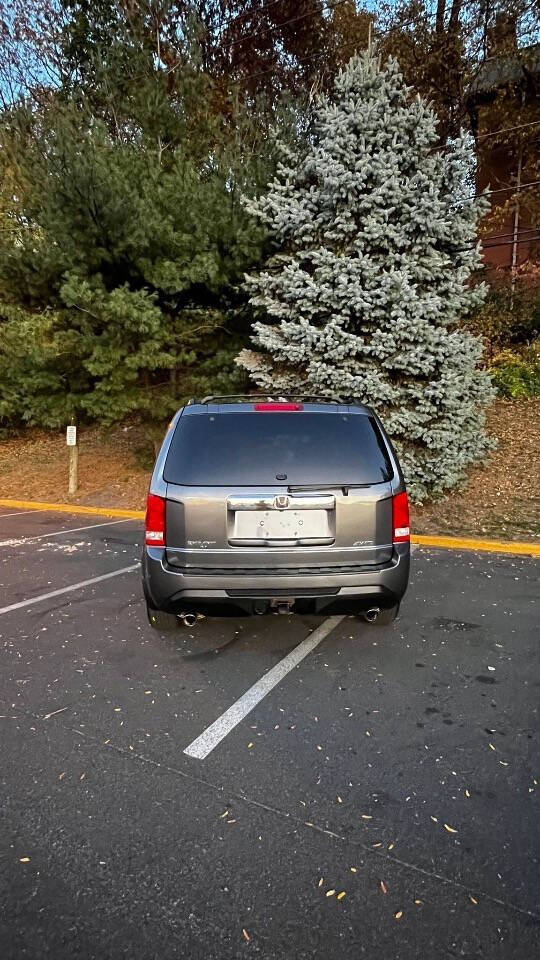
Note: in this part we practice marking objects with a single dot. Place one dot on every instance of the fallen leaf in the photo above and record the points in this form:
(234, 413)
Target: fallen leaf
(341, 895)
(223, 815)
(117, 709)
(473, 900)
(330, 893)
(434, 819)
(245, 934)
(399, 915)
(467, 794)
(384, 887)
(418, 901)
(502, 763)
(321, 881)
(368, 733)
(450, 829)
(391, 847)
(147, 692)
(231, 821)
(366, 816)
(491, 747)
(374, 845)
(82, 776)
(318, 747)
(24, 860)
(339, 800)
(62, 775)
(354, 870)
(250, 746)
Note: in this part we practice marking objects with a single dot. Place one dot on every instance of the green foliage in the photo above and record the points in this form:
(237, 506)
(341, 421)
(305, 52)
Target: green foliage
(516, 373)
(509, 318)
(123, 273)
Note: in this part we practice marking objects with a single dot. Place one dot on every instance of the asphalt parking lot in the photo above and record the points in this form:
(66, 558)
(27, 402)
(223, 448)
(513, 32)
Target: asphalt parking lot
(379, 800)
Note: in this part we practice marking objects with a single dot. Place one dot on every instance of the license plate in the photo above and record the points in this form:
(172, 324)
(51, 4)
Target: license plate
(281, 525)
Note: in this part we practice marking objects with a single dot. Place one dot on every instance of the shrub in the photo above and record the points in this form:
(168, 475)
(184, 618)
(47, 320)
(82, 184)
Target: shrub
(516, 373)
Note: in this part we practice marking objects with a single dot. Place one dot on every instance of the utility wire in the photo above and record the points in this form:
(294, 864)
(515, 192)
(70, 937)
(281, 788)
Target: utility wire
(321, 9)
(352, 44)
(277, 26)
(520, 126)
(247, 13)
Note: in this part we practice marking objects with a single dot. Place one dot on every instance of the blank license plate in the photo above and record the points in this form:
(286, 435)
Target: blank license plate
(281, 524)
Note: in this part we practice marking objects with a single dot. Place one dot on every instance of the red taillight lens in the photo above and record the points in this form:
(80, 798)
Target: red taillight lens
(155, 521)
(400, 518)
(282, 407)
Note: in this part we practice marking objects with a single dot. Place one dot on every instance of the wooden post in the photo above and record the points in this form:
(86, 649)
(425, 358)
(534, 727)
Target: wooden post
(71, 440)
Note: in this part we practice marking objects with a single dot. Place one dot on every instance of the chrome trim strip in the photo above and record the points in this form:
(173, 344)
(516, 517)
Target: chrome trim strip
(310, 502)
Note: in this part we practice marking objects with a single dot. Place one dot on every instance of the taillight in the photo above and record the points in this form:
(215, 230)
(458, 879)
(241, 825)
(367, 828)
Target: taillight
(155, 521)
(400, 518)
(282, 407)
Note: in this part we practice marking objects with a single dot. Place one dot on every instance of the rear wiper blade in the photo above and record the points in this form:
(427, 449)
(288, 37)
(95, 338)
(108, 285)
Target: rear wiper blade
(345, 487)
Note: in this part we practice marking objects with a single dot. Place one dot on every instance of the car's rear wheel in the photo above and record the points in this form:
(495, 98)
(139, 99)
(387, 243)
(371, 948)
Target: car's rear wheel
(384, 617)
(164, 622)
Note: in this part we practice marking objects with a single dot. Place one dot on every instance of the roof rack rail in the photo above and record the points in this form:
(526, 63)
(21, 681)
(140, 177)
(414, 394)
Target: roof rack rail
(255, 397)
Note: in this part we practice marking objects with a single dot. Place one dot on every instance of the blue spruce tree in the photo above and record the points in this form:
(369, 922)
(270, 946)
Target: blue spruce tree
(375, 243)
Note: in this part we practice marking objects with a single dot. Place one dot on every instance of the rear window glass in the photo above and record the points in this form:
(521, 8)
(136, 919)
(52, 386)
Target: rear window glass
(257, 448)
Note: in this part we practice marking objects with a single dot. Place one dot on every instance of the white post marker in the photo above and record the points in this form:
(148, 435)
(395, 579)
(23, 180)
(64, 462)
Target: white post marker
(71, 441)
(205, 743)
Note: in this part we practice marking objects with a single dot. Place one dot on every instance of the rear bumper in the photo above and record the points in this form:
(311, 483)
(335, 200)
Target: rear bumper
(330, 590)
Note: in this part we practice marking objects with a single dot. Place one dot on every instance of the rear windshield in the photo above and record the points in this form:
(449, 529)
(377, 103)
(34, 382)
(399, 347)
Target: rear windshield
(268, 448)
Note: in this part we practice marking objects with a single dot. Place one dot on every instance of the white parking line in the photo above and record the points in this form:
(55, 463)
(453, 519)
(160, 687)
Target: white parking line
(205, 743)
(56, 533)
(19, 513)
(74, 586)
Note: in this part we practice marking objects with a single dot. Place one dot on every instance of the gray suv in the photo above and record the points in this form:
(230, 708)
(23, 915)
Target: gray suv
(260, 506)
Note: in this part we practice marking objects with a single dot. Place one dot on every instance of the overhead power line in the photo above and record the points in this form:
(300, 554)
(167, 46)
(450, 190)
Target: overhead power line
(278, 26)
(351, 44)
(519, 126)
(509, 243)
(511, 189)
(254, 11)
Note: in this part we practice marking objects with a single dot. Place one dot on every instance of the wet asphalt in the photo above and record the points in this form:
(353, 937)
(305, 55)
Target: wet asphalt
(395, 766)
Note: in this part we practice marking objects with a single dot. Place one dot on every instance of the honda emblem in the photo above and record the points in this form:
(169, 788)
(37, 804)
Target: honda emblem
(282, 501)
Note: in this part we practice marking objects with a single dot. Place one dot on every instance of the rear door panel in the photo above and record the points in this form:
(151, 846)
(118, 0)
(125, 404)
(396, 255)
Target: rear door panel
(351, 528)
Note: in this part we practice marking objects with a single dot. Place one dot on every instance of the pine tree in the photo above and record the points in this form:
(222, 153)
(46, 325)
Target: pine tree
(375, 244)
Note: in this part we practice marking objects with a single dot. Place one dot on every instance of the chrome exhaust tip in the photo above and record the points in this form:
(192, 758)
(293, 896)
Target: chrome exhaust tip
(372, 614)
(188, 619)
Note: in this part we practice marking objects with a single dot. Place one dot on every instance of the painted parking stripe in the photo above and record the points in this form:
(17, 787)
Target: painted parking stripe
(57, 533)
(18, 513)
(213, 735)
(73, 586)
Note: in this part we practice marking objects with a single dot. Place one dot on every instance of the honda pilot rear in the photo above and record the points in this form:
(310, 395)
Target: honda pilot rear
(257, 506)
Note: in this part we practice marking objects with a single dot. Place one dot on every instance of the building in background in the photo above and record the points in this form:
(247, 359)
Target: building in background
(505, 96)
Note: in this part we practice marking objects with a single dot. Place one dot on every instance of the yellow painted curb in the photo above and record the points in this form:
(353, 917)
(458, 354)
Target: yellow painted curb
(447, 543)
(73, 508)
(488, 546)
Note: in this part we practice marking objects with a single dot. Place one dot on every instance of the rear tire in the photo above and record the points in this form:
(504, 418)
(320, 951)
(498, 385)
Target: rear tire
(384, 617)
(164, 622)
